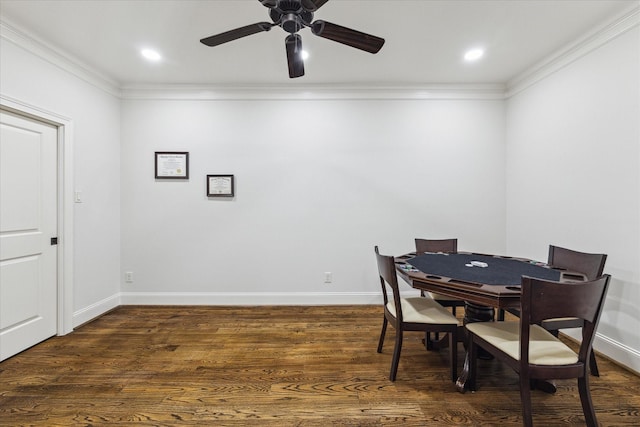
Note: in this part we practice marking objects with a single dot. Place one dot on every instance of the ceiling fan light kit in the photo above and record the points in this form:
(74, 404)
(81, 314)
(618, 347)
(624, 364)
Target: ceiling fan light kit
(292, 16)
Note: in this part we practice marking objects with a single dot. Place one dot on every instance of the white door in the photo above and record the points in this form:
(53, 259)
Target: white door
(28, 222)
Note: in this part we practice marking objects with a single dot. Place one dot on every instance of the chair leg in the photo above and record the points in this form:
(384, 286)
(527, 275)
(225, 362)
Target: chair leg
(472, 360)
(428, 344)
(525, 399)
(396, 355)
(384, 331)
(593, 365)
(585, 399)
(453, 349)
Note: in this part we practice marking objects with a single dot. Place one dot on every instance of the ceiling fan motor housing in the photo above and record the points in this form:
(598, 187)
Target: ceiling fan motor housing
(291, 23)
(291, 16)
(289, 5)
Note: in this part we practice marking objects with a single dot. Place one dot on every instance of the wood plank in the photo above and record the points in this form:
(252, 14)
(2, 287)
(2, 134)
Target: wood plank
(272, 366)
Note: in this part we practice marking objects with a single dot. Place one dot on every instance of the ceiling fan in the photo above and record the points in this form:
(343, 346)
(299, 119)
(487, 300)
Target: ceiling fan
(292, 16)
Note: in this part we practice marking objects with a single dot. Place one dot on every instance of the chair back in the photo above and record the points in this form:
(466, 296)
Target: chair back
(543, 299)
(389, 278)
(442, 245)
(591, 265)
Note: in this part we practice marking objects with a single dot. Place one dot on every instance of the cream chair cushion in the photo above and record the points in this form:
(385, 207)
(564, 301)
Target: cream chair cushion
(441, 297)
(544, 348)
(563, 319)
(423, 310)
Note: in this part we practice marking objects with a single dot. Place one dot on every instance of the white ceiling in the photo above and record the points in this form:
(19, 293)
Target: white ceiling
(425, 39)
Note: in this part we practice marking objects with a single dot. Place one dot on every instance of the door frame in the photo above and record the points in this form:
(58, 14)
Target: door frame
(65, 265)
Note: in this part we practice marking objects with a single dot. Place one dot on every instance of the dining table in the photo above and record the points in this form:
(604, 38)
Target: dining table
(485, 282)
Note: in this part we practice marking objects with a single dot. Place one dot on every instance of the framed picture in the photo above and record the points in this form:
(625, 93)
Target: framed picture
(172, 165)
(220, 186)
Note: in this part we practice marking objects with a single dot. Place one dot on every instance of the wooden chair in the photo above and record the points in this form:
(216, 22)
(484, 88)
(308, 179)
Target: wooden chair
(447, 246)
(534, 352)
(412, 314)
(592, 266)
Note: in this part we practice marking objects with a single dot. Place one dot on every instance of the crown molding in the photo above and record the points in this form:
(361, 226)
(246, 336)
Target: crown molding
(490, 91)
(317, 92)
(44, 50)
(574, 51)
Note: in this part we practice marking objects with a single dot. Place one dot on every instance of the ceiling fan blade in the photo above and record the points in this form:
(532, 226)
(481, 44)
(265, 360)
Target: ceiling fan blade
(293, 43)
(269, 3)
(313, 5)
(344, 35)
(237, 33)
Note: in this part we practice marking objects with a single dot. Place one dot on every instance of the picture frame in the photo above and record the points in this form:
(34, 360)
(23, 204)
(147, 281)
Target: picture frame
(220, 186)
(172, 165)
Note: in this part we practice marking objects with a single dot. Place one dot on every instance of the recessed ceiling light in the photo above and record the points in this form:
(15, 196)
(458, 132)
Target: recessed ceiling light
(304, 55)
(473, 54)
(151, 55)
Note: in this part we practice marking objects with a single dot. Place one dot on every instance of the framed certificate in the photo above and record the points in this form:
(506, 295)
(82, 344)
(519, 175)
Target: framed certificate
(220, 186)
(172, 165)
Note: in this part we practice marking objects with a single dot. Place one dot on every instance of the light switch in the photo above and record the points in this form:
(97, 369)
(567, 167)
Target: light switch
(77, 197)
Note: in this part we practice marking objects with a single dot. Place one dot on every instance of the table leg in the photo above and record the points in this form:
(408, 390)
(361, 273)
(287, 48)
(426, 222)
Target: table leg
(473, 313)
(546, 386)
(441, 341)
(461, 382)
(478, 313)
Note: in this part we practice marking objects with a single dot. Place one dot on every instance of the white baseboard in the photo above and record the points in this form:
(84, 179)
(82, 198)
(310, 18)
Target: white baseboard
(250, 298)
(619, 353)
(93, 311)
(89, 313)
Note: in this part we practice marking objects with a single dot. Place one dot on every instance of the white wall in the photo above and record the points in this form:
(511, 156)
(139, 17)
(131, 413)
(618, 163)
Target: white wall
(573, 161)
(318, 184)
(320, 181)
(96, 142)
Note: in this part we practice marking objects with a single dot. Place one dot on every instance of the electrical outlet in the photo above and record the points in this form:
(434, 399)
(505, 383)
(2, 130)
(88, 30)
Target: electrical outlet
(328, 277)
(128, 277)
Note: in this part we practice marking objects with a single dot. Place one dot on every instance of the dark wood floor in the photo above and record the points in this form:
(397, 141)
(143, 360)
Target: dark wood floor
(280, 366)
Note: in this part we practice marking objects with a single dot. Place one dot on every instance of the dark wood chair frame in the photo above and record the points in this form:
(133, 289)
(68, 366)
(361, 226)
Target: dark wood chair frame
(592, 266)
(441, 245)
(543, 300)
(389, 278)
(446, 246)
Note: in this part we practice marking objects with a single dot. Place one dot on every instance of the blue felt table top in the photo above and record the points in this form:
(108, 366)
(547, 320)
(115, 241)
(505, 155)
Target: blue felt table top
(499, 271)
